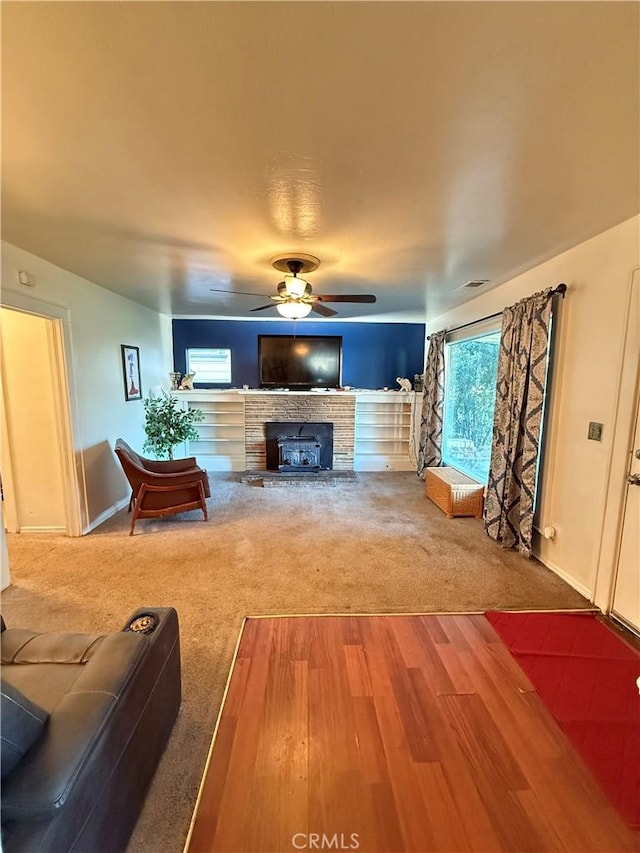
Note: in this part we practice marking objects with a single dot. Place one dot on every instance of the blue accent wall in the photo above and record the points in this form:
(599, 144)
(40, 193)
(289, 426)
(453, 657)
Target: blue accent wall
(373, 354)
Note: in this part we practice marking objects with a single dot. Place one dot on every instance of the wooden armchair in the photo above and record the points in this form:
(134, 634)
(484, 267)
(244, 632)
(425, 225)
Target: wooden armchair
(162, 487)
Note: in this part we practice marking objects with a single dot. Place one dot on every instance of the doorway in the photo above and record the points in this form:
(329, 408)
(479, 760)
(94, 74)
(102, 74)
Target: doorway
(617, 588)
(38, 470)
(626, 592)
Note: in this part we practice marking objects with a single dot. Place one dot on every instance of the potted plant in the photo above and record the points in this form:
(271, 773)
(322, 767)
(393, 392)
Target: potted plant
(167, 425)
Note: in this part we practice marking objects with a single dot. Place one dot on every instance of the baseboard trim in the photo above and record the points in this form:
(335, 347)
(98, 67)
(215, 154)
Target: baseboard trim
(43, 528)
(579, 587)
(203, 779)
(413, 614)
(106, 514)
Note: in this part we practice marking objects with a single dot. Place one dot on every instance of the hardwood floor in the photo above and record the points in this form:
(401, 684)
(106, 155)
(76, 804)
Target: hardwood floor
(392, 733)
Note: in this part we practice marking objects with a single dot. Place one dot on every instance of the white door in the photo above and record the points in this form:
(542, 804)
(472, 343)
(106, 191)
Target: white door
(626, 596)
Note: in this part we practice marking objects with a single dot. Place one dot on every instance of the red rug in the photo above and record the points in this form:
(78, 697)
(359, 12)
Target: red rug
(586, 676)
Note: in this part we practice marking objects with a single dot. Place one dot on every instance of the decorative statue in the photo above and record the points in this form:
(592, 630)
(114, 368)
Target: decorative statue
(187, 382)
(405, 384)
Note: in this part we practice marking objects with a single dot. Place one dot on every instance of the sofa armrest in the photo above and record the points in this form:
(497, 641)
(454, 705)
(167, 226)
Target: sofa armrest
(22, 646)
(91, 726)
(41, 783)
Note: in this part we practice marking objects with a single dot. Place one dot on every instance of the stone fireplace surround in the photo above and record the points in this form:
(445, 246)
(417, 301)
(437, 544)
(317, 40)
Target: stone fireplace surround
(338, 410)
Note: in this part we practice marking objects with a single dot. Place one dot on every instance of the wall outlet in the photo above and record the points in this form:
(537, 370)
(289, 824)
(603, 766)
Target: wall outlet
(595, 431)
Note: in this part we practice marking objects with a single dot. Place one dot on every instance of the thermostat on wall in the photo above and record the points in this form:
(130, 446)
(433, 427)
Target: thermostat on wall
(26, 278)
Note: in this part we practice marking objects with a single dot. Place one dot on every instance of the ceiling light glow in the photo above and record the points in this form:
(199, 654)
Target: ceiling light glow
(293, 310)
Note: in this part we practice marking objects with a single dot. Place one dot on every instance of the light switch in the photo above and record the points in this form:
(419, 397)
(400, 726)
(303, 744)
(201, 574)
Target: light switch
(595, 431)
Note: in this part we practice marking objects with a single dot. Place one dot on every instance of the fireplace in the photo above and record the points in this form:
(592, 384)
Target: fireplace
(299, 446)
(298, 454)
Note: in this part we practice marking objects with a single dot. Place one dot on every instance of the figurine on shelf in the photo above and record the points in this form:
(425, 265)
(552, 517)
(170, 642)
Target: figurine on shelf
(187, 382)
(405, 384)
(175, 380)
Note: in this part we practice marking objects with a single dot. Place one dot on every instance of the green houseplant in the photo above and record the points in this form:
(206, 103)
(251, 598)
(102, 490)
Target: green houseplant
(167, 425)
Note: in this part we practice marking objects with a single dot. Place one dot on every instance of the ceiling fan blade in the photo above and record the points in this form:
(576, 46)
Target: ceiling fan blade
(233, 292)
(264, 307)
(356, 297)
(323, 310)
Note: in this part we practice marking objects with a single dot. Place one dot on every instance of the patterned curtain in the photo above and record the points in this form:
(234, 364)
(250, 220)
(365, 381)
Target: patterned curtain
(430, 448)
(522, 373)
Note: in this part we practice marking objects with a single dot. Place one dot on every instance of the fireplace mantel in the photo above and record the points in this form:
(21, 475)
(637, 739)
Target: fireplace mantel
(215, 394)
(261, 392)
(372, 429)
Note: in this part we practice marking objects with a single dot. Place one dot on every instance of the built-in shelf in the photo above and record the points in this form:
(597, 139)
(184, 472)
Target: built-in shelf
(221, 442)
(383, 432)
(382, 428)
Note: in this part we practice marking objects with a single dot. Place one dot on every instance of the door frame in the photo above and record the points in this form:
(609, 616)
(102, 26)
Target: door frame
(59, 334)
(627, 397)
(633, 444)
(9, 508)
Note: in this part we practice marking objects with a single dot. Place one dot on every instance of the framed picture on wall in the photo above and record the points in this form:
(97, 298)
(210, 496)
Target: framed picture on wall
(131, 372)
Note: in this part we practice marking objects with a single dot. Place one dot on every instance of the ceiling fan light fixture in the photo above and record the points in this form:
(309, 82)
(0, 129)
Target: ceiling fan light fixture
(295, 286)
(294, 298)
(293, 310)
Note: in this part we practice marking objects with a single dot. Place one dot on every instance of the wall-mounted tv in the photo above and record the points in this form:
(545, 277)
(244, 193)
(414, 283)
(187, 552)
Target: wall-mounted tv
(300, 362)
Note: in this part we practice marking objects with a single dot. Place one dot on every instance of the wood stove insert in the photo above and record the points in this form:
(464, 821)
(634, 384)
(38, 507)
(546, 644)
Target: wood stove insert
(299, 446)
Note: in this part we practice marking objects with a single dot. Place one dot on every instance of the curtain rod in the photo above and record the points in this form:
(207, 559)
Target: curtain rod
(560, 290)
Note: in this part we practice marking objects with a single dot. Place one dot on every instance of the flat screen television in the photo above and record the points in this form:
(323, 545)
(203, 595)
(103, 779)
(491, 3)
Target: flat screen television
(300, 362)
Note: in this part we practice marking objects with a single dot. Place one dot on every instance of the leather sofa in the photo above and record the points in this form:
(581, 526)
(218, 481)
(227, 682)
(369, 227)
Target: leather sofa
(108, 705)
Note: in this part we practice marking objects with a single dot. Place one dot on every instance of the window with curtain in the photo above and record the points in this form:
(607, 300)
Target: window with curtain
(471, 366)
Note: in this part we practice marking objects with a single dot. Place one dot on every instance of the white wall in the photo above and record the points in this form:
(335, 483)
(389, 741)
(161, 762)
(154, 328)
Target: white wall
(34, 439)
(590, 331)
(97, 322)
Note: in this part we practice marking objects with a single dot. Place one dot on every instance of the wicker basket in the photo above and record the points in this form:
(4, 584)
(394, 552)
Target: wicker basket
(454, 492)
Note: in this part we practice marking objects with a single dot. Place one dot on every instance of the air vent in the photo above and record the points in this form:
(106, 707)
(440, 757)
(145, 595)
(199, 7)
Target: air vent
(472, 285)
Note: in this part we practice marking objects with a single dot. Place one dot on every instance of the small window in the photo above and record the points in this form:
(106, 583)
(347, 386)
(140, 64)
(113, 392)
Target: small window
(471, 367)
(210, 365)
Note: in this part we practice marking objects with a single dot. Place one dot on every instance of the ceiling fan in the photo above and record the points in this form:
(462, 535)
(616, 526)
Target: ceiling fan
(295, 298)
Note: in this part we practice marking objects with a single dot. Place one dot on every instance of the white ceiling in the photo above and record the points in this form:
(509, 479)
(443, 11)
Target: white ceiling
(161, 149)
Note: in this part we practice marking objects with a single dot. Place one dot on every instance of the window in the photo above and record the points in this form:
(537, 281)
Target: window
(471, 366)
(210, 365)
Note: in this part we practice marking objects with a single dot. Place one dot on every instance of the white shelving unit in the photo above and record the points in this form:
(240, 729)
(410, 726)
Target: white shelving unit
(383, 426)
(220, 446)
(383, 431)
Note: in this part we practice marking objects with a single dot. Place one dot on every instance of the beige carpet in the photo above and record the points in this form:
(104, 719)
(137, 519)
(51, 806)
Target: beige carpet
(368, 546)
